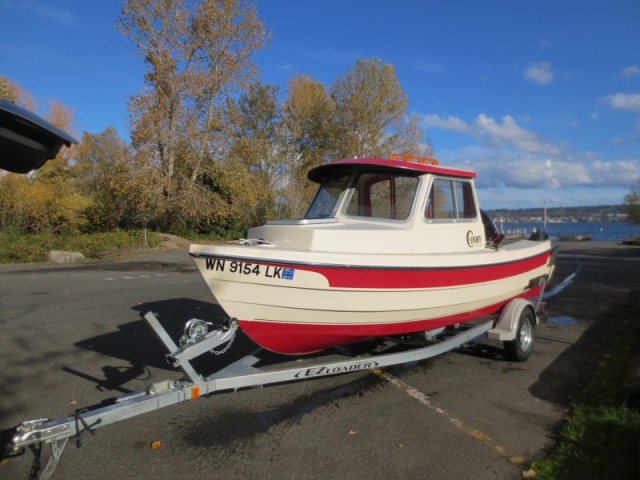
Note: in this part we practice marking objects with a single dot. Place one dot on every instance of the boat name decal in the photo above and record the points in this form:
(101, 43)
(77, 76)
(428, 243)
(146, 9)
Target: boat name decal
(319, 371)
(473, 240)
(246, 268)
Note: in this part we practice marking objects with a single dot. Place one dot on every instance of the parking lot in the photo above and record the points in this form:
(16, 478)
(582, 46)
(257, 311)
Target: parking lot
(72, 337)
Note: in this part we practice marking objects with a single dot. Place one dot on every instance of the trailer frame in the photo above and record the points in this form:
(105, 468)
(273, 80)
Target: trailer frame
(238, 375)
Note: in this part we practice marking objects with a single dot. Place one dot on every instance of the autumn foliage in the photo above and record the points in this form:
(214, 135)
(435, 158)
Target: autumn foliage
(212, 149)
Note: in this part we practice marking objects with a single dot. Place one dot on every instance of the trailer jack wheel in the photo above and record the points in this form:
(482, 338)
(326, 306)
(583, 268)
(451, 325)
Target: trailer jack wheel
(519, 348)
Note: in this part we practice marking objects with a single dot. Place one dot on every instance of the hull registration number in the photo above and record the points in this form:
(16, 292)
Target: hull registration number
(247, 268)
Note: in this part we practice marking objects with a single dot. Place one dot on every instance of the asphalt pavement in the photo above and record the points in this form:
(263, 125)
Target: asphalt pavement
(72, 337)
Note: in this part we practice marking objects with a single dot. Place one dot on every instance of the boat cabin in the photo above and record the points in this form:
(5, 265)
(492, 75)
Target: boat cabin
(386, 206)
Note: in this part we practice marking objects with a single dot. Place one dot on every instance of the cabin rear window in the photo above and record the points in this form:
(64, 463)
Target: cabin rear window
(382, 195)
(450, 199)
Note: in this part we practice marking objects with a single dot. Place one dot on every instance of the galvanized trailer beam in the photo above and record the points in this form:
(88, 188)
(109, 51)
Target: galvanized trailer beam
(239, 375)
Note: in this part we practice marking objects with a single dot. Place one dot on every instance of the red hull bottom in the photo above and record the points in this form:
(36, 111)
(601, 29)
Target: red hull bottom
(300, 339)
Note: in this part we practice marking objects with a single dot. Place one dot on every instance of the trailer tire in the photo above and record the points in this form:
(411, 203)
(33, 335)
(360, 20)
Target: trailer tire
(519, 348)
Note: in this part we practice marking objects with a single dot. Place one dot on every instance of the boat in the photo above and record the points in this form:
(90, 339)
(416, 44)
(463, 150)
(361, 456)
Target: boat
(387, 247)
(575, 238)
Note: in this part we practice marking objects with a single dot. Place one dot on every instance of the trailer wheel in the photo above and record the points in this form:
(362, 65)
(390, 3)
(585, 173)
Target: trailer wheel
(519, 348)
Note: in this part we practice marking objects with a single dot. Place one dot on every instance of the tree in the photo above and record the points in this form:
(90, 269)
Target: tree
(96, 155)
(196, 55)
(11, 92)
(311, 139)
(632, 203)
(5, 90)
(124, 190)
(371, 109)
(256, 148)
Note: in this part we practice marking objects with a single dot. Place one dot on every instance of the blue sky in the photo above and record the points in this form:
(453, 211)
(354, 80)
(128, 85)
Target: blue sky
(541, 98)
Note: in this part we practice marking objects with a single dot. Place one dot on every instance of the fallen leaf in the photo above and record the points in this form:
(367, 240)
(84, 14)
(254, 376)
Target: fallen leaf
(155, 444)
(73, 402)
(529, 473)
(351, 432)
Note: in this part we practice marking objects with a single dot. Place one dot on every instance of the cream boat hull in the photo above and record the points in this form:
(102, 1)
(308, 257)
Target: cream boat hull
(291, 301)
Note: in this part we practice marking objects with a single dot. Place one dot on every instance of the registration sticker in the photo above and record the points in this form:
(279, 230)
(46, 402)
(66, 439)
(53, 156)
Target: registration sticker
(287, 273)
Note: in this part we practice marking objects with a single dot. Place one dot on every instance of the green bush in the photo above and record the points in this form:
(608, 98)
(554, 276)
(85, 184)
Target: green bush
(18, 247)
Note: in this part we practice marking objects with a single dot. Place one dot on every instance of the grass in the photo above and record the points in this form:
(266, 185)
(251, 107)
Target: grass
(17, 247)
(602, 438)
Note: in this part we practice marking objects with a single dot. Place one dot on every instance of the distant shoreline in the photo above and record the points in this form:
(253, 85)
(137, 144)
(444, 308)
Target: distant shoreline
(596, 231)
(599, 213)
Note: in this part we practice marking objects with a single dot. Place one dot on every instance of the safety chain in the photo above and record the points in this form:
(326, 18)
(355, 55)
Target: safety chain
(57, 447)
(35, 463)
(224, 350)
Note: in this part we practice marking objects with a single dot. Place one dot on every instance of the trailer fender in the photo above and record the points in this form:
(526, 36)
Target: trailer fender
(506, 327)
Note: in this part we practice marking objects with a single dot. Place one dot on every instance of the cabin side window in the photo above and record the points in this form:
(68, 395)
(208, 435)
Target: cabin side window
(382, 196)
(326, 200)
(450, 200)
(465, 203)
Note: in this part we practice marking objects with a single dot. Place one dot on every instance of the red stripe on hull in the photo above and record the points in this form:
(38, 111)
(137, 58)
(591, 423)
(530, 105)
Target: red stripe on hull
(350, 276)
(353, 277)
(300, 338)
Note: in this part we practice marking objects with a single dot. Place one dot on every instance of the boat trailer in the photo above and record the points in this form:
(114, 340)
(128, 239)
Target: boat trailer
(197, 339)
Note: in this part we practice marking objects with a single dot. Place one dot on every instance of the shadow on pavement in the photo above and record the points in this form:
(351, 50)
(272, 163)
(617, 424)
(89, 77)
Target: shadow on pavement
(608, 272)
(137, 346)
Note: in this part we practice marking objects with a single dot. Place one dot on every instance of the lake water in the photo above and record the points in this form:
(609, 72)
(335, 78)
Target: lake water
(599, 231)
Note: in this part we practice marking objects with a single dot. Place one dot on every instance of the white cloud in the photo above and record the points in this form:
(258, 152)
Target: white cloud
(630, 72)
(532, 171)
(503, 133)
(61, 16)
(509, 133)
(429, 67)
(540, 73)
(624, 101)
(509, 158)
(505, 197)
(497, 169)
(287, 67)
(450, 123)
(517, 168)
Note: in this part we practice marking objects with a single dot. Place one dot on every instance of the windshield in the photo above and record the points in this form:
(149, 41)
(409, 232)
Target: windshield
(326, 200)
